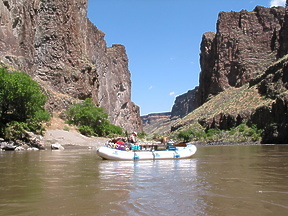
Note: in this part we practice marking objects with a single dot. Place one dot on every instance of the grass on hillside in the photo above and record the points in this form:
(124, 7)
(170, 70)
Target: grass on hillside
(232, 101)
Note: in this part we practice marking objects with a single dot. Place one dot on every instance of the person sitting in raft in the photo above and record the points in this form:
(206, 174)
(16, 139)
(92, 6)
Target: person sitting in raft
(132, 139)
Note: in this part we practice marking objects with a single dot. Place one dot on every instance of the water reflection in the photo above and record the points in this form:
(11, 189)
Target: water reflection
(155, 187)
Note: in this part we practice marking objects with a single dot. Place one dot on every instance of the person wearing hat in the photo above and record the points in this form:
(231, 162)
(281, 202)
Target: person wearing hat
(133, 138)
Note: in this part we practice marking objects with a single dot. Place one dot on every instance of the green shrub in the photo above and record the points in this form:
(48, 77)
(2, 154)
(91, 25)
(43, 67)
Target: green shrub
(185, 135)
(211, 132)
(242, 127)
(110, 129)
(249, 132)
(21, 104)
(86, 130)
(15, 130)
(191, 134)
(241, 133)
(232, 131)
(155, 136)
(142, 135)
(91, 120)
(253, 132)
(256, 137)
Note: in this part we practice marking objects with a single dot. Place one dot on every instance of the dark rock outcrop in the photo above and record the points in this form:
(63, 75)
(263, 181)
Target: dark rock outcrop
(274, 120)
(284, 34)
(225, 121)
(55, 43)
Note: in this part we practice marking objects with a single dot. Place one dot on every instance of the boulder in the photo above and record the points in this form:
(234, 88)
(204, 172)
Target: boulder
(57, 146)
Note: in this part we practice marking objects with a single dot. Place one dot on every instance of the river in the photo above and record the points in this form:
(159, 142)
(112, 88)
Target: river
(218, 180)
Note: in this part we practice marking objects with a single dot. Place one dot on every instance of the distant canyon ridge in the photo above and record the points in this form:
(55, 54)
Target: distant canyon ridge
(56, 44)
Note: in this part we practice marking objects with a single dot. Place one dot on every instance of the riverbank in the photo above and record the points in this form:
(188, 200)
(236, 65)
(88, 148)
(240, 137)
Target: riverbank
(60, 133)
(71, 139)
(57, 131)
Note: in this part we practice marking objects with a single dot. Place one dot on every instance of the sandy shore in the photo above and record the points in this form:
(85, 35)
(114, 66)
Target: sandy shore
(71, 139)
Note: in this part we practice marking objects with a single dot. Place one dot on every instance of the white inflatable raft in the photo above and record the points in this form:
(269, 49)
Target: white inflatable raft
(115, 154)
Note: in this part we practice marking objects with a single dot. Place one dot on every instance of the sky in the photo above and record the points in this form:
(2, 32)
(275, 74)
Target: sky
(162, 41)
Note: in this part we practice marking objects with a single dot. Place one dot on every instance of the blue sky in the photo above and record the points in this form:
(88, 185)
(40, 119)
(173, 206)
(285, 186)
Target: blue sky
(162, 40)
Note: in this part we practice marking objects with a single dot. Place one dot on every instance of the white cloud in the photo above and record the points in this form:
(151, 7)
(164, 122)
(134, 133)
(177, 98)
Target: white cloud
(172, 93)
(150, 87)
(277, 3)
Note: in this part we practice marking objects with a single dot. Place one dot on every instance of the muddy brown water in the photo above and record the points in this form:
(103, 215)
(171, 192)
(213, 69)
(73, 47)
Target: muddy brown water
(218, 180)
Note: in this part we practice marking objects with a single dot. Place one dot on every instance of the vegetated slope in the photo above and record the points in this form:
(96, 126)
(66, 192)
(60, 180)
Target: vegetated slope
(234, 102)
(261, 102)
(237, 103)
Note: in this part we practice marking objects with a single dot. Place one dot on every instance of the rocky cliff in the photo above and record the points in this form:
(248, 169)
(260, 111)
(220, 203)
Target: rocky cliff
(245, 52)
(245, 44)
(273, 84)
(55, 43)
(262, 102)
(284, 34)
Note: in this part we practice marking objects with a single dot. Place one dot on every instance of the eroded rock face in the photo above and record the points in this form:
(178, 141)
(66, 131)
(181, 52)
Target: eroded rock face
(245, 44)
(284, 34)
(274, 119)
(60, 48)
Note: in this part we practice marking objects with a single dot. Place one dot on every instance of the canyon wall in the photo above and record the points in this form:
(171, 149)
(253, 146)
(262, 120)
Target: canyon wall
(249, 47)
(244, 45)
(55, 43)
(284, 34)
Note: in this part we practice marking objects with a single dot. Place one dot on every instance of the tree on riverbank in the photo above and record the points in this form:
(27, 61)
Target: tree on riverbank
(21, 105)
(91, 120)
